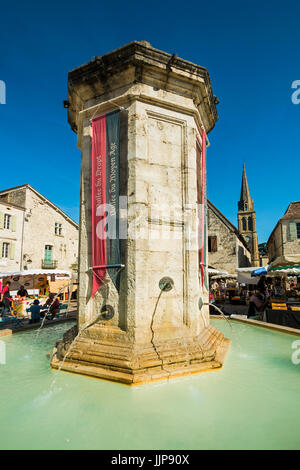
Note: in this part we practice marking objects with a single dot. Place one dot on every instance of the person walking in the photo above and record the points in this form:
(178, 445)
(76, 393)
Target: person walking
(6, 299)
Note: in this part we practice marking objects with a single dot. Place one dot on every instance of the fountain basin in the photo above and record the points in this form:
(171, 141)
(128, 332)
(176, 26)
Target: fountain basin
(250, 403)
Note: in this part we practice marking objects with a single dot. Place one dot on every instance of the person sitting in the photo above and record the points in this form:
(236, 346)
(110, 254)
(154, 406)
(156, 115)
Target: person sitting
(257, 306)
(22, 292)
(52, 305)
(278, 289)
(35, 311)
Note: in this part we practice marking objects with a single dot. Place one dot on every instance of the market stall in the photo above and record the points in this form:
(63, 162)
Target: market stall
(283, 284)
(38, 284)
(223, 285)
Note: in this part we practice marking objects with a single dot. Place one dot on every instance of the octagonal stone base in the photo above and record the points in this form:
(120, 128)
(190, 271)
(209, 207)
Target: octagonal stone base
(136, 364)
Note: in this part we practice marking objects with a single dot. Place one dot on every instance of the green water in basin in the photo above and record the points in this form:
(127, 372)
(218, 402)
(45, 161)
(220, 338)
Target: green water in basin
(253, 402)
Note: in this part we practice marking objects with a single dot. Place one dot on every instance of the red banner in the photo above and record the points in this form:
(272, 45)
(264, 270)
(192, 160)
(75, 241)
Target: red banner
(203, 214)
(98, 200)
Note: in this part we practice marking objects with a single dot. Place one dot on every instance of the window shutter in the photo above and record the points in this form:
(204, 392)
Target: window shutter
(214, 244)
(1, 248)
(293, 231)
(1, 220)
(12, 251)
(13, 223)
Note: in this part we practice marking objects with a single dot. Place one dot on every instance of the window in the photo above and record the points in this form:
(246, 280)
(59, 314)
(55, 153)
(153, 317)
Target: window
(294, 231)
(5, 250)
(7, 221)
(244, 222)
(250, 223)
(58, 228)
(212, 244)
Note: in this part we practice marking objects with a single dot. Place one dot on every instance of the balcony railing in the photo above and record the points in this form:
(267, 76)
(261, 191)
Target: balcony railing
(49, 264)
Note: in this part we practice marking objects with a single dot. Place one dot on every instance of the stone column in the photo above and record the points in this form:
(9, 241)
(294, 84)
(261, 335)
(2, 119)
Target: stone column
(165, 103)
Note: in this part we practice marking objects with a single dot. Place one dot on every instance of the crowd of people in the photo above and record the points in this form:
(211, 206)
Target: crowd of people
(222, 290)
(37, 311)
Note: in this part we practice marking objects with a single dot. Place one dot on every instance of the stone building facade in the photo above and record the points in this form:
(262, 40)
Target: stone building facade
(285, 238)
(34, 233)
(227, 248)
(11, 236)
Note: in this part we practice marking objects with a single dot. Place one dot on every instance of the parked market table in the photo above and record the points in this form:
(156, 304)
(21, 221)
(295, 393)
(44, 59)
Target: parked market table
(289, 318)
(20, 306)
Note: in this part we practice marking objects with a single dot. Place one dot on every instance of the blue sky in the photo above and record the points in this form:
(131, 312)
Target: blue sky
(251, 50)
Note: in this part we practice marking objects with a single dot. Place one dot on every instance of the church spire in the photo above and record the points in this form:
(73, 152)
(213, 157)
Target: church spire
(245, 202)
(247, 220)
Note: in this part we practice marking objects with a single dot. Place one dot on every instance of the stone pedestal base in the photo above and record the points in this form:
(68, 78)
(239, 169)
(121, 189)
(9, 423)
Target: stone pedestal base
(139, 363)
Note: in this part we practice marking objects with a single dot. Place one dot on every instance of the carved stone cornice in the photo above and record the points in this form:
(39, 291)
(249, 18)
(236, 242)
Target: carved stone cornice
(138, 62)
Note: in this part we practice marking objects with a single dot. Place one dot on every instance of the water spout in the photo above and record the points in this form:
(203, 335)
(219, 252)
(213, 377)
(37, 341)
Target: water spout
(85, 327)
(48, 311)
(221, 313)
(227, 320)
(165, 284)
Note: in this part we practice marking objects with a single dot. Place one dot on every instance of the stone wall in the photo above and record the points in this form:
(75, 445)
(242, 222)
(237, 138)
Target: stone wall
(275, 243)
(231, 252)
(39, 230)
(158, 143)
(17, 197)
(281, 242)
(291, 244)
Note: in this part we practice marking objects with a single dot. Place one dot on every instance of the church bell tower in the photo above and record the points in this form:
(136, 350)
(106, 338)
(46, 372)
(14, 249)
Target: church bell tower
(247, 220)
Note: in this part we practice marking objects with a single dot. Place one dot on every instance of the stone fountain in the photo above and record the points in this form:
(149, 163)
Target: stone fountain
(153, 323)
